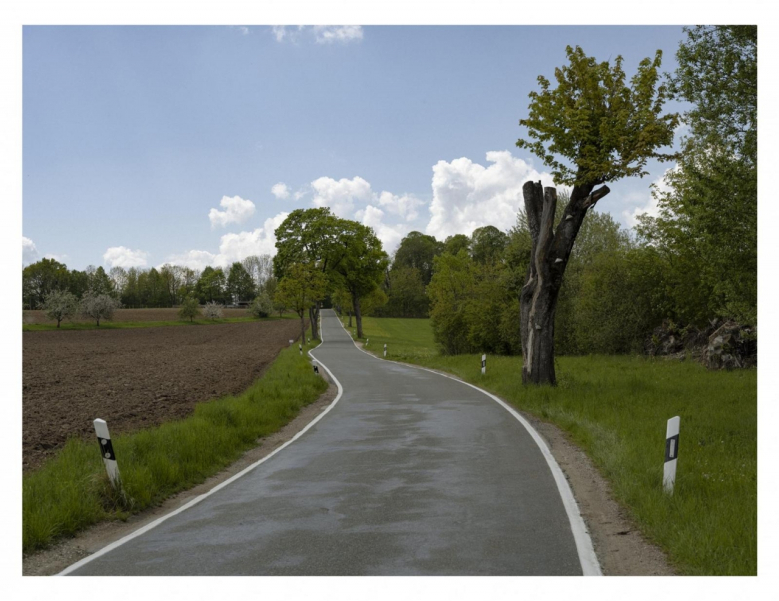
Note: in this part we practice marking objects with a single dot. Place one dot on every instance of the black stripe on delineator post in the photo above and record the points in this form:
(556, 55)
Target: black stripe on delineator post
(671, 448)
(106, 448)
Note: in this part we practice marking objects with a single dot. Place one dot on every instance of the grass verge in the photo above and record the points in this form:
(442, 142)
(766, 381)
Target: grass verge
(72, 491)
(615, 408)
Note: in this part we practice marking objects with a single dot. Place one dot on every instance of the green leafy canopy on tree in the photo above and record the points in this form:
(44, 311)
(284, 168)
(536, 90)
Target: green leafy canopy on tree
(605, 128)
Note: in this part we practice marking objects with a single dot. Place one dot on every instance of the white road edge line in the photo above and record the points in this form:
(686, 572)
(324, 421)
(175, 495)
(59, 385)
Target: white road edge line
(587, 557)
(220, 486)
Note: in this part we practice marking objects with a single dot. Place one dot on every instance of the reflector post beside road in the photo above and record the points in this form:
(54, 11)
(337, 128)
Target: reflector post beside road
(107, 451)
(671, 454)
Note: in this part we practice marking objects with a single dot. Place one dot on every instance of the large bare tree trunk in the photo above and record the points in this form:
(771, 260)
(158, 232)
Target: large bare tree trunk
(313, 315)
(357, 314)
(549, 256)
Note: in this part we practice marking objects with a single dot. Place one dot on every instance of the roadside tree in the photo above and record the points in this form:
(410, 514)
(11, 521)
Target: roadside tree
(601, 129)
(361, 270)
(301, 287)
(311, 237)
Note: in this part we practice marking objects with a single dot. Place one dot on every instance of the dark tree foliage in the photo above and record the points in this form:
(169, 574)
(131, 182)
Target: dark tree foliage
(418, 250)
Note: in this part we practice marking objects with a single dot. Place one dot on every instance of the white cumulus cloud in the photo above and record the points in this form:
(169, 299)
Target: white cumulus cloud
(121, 256)
(194, 259)
(390, 235)
(233, 247)
(343, 34)
(340, 195)
(236, 247)
(29, 252)
(236, 210)
(467, 195)
(321, 34)
(405, 206)
(280, 191)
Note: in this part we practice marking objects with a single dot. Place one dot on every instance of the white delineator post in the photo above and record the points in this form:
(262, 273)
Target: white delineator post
(300, 348)
(385, 350)
(291, 342)
(107, 451)
(671, 454)
(483, 364)
(367, 340)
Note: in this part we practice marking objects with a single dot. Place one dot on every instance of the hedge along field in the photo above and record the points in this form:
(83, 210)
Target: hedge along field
(37, 321)
(71, 491)
(616, 408)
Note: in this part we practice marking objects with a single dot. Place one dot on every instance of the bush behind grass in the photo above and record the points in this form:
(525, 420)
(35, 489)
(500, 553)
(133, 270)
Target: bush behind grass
(71, 491)
(616, 408)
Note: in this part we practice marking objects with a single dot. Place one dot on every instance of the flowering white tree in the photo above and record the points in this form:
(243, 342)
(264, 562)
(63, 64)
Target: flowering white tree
(99, 306)
(213, 310)
(60, 305)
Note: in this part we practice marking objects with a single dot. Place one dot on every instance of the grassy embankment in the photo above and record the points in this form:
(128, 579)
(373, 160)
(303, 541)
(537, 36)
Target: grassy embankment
(71, 491)
(615, 408)
(120, 325)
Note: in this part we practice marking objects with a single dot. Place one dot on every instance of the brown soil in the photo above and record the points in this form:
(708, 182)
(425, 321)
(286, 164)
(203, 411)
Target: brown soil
(30, 317)
(56, 558)
(135, 378)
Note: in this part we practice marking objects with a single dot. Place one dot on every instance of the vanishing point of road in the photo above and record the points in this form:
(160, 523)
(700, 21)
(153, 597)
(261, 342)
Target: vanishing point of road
(410, 472)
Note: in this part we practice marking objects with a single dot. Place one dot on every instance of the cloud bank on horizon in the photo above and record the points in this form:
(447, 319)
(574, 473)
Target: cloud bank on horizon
(465, 195)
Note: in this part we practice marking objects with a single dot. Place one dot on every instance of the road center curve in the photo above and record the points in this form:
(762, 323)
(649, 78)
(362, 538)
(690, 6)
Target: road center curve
(411, 472)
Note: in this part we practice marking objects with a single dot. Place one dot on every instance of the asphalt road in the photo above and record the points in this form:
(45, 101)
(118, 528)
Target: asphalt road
(409, 473)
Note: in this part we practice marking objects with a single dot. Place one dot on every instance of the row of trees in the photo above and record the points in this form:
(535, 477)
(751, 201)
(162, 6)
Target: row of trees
(165, 287)
(322, 256)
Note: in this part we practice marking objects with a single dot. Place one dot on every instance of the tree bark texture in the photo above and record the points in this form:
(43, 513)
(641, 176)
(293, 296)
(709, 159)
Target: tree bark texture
(313, 316)
(549, 254)
(357, 314)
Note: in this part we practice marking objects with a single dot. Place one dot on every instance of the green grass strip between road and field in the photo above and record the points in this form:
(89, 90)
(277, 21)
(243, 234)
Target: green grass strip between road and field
(71, 491)
(615, 408)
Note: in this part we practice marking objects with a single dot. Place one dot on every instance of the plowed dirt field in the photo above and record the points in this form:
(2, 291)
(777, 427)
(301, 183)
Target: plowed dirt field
(30, 317)
(135, 378)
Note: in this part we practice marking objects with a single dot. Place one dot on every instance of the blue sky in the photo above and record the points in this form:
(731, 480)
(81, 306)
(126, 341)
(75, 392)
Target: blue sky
(146, 145)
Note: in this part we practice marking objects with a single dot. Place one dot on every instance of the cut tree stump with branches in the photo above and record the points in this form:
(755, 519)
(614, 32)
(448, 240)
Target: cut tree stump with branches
(605, 130)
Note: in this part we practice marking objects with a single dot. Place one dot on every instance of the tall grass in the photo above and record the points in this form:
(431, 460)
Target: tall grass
(72, 491)
(615, 408)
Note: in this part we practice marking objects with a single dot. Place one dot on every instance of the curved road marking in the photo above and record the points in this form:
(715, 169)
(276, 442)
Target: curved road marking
(584, 548)
(220, 486)
(586, 553)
